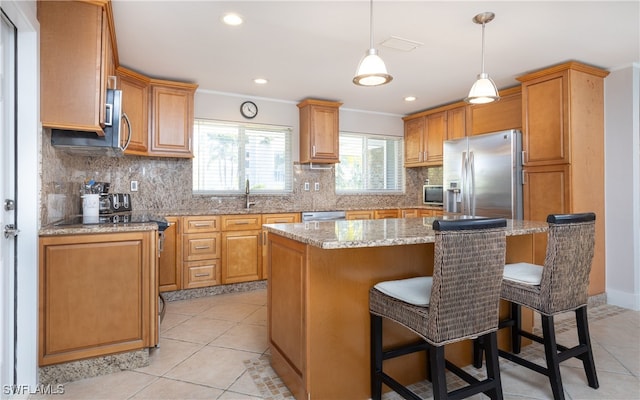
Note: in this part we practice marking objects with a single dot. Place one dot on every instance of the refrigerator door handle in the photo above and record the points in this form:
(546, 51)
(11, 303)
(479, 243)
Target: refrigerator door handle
(463, 185)
(472, 184)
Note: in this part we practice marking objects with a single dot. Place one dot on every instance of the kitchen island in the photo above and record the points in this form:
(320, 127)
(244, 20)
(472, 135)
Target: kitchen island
(319, 276)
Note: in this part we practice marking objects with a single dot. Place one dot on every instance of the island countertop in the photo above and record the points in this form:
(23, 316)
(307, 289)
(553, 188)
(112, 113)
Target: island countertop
(345, 234)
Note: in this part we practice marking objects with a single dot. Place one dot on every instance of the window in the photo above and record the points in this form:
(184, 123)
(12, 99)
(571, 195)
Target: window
(369, 163)
(227, 154)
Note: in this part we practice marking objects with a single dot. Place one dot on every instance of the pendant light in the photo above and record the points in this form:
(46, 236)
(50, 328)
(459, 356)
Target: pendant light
(371, 70)
(484, 89)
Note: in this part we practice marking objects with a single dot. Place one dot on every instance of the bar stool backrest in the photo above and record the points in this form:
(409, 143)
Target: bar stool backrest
(467, 273)
(565, 278)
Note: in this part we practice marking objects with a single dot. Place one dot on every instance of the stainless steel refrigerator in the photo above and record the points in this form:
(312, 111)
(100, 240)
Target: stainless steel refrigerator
(482, 175)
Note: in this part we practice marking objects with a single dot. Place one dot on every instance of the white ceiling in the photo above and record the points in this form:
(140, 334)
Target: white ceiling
(312, 48)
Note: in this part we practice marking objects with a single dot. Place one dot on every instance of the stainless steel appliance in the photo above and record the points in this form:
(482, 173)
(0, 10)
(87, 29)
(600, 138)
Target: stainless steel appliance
(482, 175)
(432, 195)
(89, 143)
(318, 216)
(115, 203)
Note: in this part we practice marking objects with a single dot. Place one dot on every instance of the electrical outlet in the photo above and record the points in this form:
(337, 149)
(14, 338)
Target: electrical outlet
(306, 186)
(134, 186)
(316, 186)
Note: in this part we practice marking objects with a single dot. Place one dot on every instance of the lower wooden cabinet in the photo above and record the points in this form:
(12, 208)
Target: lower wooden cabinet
(97, 295)
(420, 212)
(241, 256)
(360, 214)
(201, 273)
(381, 214)
(169, 271)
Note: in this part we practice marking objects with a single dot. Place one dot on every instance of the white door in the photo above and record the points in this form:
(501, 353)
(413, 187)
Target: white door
(8, 240)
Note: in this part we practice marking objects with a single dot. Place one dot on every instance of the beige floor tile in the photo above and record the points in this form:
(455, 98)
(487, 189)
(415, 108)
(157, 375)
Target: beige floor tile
(235, 312)
(228, 395)
(245, 385)
(172, 319)
(168, 354)
(259, 317)
(256, 297)
(121, 385)
(612, 386)
(190, 307)
(198, 329)
(212, 366)
(165, 388)
(244, 337)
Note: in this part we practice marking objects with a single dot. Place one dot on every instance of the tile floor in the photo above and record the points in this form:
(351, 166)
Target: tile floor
(216, 348)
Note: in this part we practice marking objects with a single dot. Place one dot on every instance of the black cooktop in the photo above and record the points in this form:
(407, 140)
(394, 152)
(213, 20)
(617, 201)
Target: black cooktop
(114, 219)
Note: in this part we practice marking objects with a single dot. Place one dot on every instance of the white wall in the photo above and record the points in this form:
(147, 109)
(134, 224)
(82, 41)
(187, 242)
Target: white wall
(226, 107)
(622, 186)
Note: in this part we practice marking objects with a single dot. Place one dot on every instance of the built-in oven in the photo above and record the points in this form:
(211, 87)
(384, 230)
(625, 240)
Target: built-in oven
(432, 195)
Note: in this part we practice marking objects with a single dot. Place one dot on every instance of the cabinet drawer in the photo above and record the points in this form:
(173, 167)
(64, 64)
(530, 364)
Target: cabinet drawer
(382, 214)
(280, 218)
(367, 214)
(201, 246)
(205, 223)
(241, 222)
(201, 273)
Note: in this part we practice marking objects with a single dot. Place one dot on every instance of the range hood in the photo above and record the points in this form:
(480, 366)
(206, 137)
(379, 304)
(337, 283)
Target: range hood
(89, 143)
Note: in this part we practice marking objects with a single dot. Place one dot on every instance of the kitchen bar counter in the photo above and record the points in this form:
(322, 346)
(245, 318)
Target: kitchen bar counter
(319, 278)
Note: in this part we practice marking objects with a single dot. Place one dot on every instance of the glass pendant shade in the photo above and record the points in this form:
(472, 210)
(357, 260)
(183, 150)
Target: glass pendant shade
(483, 91)
(371, 70)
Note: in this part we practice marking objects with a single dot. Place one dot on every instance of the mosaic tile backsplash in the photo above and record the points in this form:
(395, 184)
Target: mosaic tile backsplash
(165, 186)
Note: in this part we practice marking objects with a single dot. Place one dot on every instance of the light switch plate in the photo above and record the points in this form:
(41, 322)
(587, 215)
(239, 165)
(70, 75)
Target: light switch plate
(306, 186)
(134, 186)
(316, 186)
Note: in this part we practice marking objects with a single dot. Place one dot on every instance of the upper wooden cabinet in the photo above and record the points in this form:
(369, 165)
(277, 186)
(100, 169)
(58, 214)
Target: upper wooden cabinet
(561, 104)
(77, 56)
(171, 118)
(135, 103)
(497, 116)
(319, 131)
(425, 132)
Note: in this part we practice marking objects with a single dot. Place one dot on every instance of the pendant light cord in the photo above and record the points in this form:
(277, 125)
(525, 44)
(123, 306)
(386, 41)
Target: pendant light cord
(371, 23)
(482, 66)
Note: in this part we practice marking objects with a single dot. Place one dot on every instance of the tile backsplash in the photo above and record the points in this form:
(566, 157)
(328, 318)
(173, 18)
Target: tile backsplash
(165, 186)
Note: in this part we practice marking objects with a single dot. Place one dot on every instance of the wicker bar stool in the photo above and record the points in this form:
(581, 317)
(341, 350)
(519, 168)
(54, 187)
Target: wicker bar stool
(559, 286)
(460, 301)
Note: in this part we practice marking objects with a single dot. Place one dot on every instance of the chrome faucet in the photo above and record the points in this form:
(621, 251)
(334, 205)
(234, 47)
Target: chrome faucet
(246, 196)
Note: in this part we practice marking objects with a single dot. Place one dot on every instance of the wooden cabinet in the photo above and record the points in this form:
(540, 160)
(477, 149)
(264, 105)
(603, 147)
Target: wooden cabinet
(420, 212)
(97, 295)
(201, 248)
(135, 103)
(360, 214)
(382, 214)
(497, 116)
(171, 118)
(319, 131)
(282, 218)
(170, 262)
(563, 142)
(425, 132)
(77, 54)
(241, 248)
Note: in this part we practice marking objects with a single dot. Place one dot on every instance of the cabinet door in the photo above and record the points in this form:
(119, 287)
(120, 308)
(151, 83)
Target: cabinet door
(171, 120)
(319, 131)
(546, 130)
(169, 275)
(456, 123)
(497, 116)
(436, 131)
(135, 103)
(97, 295)
(241, 256)
(546, 190)
(414, 141)
(362, 214)
(72, 80)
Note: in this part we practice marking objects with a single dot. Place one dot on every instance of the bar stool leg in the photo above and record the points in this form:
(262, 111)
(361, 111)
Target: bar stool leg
(551, 355)
(478, 348)
(437, 367)
(490, 344)
(516, 317)
(376, 354)
(584, 339)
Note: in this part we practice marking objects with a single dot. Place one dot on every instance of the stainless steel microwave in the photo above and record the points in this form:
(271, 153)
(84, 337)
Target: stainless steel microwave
(432, 195)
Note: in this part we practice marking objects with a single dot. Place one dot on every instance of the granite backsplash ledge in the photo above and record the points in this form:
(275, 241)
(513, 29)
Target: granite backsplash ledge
(165, 184)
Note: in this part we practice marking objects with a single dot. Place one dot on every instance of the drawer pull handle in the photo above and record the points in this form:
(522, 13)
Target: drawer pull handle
(202, 247)
(241, 223)
(201, 224)
(201, 275)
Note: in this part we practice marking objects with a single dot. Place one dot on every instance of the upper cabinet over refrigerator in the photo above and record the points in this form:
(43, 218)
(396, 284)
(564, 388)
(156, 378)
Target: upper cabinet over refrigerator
(482, 175)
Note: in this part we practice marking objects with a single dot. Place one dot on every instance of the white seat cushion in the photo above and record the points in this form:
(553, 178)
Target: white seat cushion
(416, 291)
(529, 274)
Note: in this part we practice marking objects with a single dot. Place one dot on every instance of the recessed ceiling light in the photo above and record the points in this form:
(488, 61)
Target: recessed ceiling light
(410, 98)
(260, 81)
(232, 19)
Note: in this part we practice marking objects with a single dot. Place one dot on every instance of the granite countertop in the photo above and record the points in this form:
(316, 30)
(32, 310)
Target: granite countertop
(380, 232)
(75, 224)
